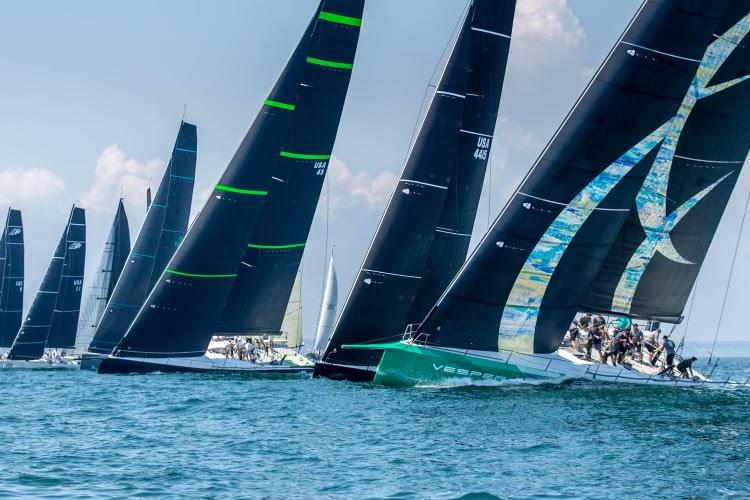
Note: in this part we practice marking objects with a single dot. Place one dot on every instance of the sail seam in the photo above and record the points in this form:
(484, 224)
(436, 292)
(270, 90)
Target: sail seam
(280, 105)
(481, 30)
(302, 156)
(230, 189)
(185, 150)
(392, 274)
(194, 275)
(275, 247)
(340, 19)
(329, 64)
(424, 183)
(660, 52)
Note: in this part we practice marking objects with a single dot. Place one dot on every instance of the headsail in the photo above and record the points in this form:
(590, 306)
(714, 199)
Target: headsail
(32, 337)
(291, 327)
(11, 293)
(328, 306)
(524, 283)
(294, 130)
(655, 259)
(113, 259)
(164, 227)
(424, 234)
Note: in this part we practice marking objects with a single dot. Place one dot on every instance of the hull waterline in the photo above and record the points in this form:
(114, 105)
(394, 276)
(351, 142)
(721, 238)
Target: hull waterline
(344, 372)
(203, 364)
(36, 364)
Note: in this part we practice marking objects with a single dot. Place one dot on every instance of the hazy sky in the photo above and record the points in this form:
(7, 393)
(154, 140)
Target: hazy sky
(92, 94)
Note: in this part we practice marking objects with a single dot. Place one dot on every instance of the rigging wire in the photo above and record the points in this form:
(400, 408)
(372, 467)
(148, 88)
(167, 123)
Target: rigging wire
(731, 273)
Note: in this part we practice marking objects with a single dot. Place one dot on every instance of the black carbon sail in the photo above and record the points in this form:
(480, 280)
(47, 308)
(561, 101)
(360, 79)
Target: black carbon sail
(64, 323)
(113, 259)
(32, 337)
(424, 235)
(524, 283)
(163, 229)
(654, 262)
(294, 130)
(259, 296)
(11, 293)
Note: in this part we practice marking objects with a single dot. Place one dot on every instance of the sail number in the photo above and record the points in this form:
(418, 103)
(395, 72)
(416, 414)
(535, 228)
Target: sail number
(483, 148)
(77, 284)
(320, 168)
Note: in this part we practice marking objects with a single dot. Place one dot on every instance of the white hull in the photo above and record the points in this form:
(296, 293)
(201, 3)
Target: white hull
(36, 364)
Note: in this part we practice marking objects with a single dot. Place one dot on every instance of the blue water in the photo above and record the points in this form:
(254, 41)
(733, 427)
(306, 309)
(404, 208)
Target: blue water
(80, 434)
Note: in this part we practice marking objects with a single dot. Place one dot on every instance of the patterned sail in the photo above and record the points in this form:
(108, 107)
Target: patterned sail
(113, 259)
(424, 234)
(31, 339)
(524, 283)
(655, 259)
(294, 130)
(11, 293)
(163, 229)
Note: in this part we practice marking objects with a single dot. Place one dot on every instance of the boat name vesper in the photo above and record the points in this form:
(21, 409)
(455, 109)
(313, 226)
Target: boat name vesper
(466, 373)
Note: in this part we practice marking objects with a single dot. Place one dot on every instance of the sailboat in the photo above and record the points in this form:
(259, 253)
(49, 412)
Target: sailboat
(246, 225)
(111, 263)
(52, 320)
(615, 216)
(12, 272)
(423, 237)
(162, 231)
(327, 315)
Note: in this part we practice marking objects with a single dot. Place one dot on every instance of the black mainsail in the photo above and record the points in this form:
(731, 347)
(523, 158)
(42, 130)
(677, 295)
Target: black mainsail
(32, 337)
(113, 259)
(294, 129)
(163, 229)
(424, 235)
(11, 293)
(527, 278)
(64, 323)
(260, 294)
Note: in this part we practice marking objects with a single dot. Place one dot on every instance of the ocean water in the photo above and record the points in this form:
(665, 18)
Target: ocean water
(79, 434)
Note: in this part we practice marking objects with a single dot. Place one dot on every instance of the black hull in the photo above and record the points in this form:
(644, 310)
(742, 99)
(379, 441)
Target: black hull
(111, 365)
(341, 372)
(91, 361)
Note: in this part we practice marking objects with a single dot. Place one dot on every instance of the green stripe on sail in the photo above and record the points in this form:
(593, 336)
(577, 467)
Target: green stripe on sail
(301, 156)
(330, 64)
(338, 18)
(231, 189)
(277, 104)
(192, 275)
(275, 247)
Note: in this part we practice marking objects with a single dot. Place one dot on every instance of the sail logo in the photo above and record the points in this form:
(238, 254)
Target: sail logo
(521, 311)
(75, 246)
(462, 372)
(14, 231)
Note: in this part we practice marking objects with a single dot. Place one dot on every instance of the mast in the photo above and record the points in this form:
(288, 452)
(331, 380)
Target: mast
(31, 338)
(64, 322)
(527, 278)
(164, 227)
(292, 131)
(11, 293)
(328, 305)
(424, 234)
(111, 263)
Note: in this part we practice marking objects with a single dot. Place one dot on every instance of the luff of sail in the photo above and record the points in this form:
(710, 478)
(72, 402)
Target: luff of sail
(163, 228)
(523, 285)
(181, 313)
(328, 305)
(421, 237)
(113, 259)
(32, 337)
(11, 294)
(64, 322)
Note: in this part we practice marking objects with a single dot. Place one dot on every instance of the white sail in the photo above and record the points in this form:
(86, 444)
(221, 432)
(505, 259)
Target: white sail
(291, 326)
(328, 306)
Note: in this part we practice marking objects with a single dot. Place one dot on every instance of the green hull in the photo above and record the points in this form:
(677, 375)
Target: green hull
(407, 364)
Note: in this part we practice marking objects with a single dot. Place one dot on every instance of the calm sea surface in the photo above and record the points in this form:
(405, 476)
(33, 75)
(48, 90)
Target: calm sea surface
(81, 434)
